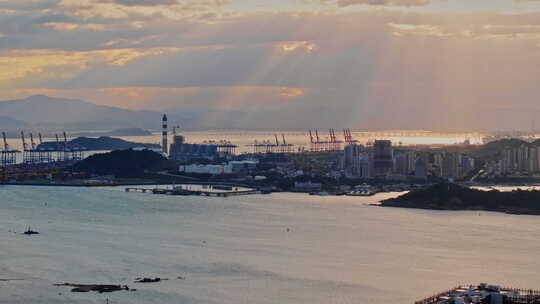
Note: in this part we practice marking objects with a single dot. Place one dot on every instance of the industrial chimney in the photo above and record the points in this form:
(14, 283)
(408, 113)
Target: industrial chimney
(164, 146)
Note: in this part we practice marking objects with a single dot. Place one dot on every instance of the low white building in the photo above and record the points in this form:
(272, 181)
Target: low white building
(231, 167)
(204, 169)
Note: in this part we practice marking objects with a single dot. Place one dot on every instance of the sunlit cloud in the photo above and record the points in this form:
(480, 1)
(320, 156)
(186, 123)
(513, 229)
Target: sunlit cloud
(418, 29)
(65, 26)
(423, 63)
(291, 92)
(291, 46)
(140, 2)
(18, 67)
(125, 9)
(406, 3)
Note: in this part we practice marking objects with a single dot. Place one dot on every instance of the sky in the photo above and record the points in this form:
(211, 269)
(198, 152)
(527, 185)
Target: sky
(374, 64)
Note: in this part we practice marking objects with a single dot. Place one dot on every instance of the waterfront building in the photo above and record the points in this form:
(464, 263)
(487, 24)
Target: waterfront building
(383, 162)
(233, 167)
(404, 162)
(523, 159)
(450, 166)
(366, 165)
(466, 165)
(351, 160)
(186, 152)
(421, 167)
(204, 169)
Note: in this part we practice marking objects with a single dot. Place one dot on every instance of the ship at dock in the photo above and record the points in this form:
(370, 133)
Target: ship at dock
(484, 294)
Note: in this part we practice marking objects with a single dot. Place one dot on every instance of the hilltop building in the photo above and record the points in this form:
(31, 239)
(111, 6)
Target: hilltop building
(523, 159)
(357, 162)
(385, 163)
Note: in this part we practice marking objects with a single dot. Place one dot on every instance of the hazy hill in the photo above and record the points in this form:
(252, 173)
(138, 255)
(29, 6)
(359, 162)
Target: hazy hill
(8, 123)
(116, 132)
(100, 144)
(49, 112)
(123, 163)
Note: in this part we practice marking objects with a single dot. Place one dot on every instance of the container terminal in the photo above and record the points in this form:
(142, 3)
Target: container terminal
(484, 294)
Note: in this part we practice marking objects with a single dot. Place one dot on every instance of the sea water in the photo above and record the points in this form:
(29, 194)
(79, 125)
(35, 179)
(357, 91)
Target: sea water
(278, 248)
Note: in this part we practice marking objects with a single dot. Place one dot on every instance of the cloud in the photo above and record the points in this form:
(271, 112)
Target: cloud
(371, 67)
(140, 2)
(27, 68)
(418, 29)
(406, 3)
(137, 9)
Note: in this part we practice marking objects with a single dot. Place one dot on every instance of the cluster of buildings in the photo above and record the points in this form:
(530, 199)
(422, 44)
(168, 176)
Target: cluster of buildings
(384, 162)
(381, 161)
(182, 151)
(521, 160)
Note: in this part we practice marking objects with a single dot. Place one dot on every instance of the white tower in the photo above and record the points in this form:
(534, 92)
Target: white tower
(164, 145)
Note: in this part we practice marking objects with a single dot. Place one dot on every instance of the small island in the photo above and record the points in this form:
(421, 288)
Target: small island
(124, 163)
(449, 196)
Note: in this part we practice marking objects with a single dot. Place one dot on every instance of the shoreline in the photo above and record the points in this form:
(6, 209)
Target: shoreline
(391, 204)
(122, 184)
(454, 197)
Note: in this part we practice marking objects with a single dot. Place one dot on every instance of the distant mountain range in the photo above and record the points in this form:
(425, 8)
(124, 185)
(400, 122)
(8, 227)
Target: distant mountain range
(45, 112)
(8, 123)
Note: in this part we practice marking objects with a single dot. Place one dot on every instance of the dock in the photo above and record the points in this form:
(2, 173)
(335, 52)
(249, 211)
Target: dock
(484, 293)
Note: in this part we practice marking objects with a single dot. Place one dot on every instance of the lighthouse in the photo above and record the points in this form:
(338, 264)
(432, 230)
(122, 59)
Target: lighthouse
(164, 147)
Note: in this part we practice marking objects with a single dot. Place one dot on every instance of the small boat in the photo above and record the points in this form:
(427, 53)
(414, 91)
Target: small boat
(30, 231)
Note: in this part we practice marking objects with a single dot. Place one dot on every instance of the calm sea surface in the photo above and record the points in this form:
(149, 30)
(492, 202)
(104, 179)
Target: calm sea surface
(279, 248)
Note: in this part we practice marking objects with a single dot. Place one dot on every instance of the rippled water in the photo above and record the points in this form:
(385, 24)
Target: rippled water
(238, 249)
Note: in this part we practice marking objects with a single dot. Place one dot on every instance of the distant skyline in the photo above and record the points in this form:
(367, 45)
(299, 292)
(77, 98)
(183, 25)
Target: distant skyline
(377, 64)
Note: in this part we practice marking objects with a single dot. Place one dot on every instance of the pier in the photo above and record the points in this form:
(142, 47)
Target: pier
(178, 191)
(484, 293)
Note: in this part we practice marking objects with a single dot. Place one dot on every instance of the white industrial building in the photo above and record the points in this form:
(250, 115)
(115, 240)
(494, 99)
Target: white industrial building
(230, 168)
